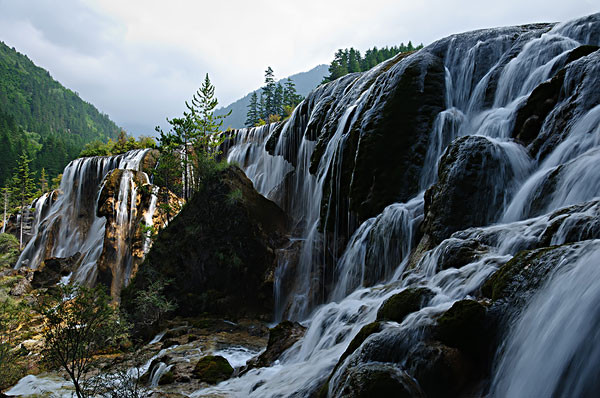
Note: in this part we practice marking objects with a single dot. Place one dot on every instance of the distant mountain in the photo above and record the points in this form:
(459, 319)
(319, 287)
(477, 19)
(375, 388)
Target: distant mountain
(42, 118)
(305, 83)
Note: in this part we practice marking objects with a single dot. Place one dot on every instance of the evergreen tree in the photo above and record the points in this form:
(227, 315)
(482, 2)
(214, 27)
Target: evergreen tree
(43, 181)
(350, 60)
(253, 111)
(278, 101)
(354, 61)
(268, 92)
(262, 106)
(22, 189)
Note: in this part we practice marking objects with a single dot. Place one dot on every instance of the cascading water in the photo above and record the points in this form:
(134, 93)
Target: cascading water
(489, 76)
(68, 225)
(351, 260)
(551, 351)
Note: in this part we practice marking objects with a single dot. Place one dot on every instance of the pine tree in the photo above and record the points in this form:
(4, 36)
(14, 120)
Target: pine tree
(268, 92)
(204, 126)
(354, 61)
(278, 101)
(43, 181)
(22, 189)
(262, 106)
(253, 112)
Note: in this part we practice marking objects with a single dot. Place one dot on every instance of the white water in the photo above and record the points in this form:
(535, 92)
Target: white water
(70, 225)
(552, 350)
(388, 237)
(373, 265)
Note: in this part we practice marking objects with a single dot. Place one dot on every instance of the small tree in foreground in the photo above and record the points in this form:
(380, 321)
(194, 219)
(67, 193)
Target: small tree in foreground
(79, 322)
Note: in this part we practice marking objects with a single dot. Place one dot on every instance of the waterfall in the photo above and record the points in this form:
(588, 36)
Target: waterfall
(489, 76)
(66, 221)
(550, 351)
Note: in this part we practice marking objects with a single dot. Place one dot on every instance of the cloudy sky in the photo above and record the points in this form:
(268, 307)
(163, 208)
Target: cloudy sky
(139, 60)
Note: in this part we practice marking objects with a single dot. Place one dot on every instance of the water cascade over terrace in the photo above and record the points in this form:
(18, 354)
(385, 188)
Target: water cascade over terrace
(367, 167)
(69, 222)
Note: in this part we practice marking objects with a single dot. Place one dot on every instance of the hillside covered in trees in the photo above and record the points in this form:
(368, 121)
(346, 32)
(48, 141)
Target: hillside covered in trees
(42, 119)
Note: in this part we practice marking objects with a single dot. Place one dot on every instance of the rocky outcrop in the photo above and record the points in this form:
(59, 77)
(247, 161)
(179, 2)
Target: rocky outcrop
(544, 120)
(397, 307)
(473, 170)
(212, 369)
(218, 254)
(376, 380)
(125, 200)
(53, 269)
(281, 337)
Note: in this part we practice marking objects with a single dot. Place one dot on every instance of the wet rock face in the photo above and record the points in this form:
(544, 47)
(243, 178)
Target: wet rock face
(571, 91)
(281, 337)
(219, 252)
(386, 147)
(124, 201)
(212, 369)
(376, 380)
(397, 307)
(441, 371)
(53, 269)
(472, 170)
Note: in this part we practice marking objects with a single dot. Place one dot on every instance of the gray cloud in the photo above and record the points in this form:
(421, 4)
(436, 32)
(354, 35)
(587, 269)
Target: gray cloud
(139, 60)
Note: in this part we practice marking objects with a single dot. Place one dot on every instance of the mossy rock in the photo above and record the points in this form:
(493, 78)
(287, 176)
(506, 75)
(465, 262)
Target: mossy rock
(212, 369)
(166, 378)
(463, 326)
(281, 337)
(525, 271)
(397, 307)
(376, 379)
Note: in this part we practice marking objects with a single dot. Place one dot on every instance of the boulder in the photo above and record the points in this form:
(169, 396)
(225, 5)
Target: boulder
(441, 371)
(397, 307)
(375, 379)
(281, 337)
(212, 369)
(219, 252)
(53, 269)
(463, 326)
(472, 171)
(166, 378)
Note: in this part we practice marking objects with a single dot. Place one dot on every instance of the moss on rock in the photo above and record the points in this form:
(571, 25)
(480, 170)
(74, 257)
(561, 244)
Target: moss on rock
(462, 326)
(397, 307)
(212, 369)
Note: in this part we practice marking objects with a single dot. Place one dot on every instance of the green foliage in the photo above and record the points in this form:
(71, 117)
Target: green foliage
(276, 101)
(350, 60)
(10, 317)
(151, 305)
(234, 196)
(9, 251)
(79, 323)
(191, 147)
(253, 114)
(123, 144)
(40, 117)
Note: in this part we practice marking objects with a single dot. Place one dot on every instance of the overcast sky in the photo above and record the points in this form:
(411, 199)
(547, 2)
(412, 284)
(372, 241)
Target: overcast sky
(139, 60)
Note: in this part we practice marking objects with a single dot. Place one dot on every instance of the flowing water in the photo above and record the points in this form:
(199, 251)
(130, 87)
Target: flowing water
(66, 222)
(378, 251)
(343, 276)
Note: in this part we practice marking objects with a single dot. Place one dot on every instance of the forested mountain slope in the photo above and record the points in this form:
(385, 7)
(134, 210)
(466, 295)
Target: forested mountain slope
(40, 116)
